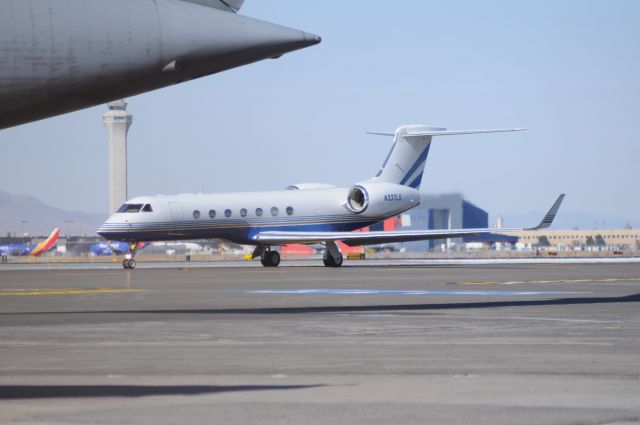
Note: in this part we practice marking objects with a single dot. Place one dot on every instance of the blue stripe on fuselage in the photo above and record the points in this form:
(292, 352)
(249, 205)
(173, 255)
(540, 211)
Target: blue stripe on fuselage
(242, 234)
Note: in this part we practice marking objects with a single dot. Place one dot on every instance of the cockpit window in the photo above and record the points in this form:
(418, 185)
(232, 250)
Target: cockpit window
(130, 208)
(147, 208)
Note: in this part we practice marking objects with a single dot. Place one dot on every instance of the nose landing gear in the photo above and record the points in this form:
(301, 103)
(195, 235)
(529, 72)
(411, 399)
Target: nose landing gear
(129, 262)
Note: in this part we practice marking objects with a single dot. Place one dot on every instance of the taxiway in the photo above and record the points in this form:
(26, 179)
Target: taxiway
(404, 343)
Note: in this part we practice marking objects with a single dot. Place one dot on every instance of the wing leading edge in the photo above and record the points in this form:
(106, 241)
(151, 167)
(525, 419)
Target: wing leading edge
(227, 5)
(372, 238)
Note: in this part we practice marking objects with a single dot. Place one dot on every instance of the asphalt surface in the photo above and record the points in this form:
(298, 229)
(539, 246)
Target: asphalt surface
(405, 344)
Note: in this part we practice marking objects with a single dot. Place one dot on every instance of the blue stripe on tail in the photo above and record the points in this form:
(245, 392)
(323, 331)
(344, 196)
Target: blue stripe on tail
(416, 182)
(419, 162)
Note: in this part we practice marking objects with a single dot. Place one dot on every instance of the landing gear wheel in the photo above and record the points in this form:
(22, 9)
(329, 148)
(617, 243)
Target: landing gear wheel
(129, 263)
(270, 259)
(330, 261)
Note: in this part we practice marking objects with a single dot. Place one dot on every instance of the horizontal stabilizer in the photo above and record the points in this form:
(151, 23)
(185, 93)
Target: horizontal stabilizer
(445, 132)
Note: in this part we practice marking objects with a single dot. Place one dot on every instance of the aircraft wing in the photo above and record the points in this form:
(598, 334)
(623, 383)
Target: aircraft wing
(372, 238)
(228, 5)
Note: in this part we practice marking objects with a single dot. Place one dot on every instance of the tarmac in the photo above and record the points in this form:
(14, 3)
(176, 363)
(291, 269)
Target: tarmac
(371, 343)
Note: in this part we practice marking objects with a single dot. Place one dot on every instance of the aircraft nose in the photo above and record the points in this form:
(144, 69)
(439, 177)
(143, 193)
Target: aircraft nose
(312, 38)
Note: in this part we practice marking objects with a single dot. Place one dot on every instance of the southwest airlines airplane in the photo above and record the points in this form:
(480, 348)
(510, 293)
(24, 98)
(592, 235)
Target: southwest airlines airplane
(307, 213)
(33, 249)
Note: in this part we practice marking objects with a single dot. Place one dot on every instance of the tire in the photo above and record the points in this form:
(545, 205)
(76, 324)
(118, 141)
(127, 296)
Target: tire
(275, 258)
(132, 264)
(125, 263)
(270, 259)
(329, 261)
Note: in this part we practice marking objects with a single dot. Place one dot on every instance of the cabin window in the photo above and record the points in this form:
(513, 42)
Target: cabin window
(274, 211)
(130, 208)
(196, 214)
(259, 212)
(243, 212)
(227, 213)
(212, 213)
(289, 210)
(147, 208)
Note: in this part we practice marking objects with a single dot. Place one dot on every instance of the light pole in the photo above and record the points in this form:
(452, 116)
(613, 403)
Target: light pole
(69, 223)
(23, 223)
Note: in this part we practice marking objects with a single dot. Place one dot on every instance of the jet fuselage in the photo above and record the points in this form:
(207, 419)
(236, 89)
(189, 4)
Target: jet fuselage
(239, 216)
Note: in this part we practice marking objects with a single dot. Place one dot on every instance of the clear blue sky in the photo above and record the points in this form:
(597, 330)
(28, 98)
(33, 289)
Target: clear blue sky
(568, 71)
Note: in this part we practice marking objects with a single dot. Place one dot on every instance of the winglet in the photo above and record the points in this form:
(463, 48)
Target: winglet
(548, 219)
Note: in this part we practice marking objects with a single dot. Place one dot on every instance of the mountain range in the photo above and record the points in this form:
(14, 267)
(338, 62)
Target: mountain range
(26, 214)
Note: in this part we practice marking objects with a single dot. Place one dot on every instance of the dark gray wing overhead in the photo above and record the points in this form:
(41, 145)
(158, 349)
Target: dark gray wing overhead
(228, 5)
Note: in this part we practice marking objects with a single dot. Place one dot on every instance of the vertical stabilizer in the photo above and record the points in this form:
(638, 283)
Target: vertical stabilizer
(47, 244)
(405, 162)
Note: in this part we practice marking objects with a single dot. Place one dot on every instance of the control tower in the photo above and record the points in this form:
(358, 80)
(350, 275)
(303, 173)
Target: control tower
(117, 122)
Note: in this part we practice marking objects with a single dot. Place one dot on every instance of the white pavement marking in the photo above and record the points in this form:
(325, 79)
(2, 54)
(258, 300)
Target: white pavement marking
(401, 292)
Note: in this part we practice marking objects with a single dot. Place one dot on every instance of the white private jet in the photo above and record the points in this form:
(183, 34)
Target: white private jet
(308, 213)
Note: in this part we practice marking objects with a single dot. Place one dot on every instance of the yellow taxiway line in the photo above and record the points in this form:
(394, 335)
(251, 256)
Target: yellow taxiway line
(67, 291)
(514, 282)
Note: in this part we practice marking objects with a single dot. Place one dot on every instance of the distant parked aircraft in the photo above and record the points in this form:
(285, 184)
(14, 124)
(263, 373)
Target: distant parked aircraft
(113, 248)
(304, 214)
(32, 249)
(58, 56)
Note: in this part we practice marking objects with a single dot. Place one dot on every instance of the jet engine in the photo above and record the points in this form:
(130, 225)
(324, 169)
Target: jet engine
(375, 199)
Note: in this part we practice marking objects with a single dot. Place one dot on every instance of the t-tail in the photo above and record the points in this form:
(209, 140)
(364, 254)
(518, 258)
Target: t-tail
(406, 160)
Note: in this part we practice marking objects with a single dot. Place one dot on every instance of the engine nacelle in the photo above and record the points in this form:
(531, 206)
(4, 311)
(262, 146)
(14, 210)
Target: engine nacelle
(307, 186)
(381, 199)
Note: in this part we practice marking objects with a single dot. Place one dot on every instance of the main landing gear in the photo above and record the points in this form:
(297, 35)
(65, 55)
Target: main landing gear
(129, 261)
(268, 258)
(332, 256)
